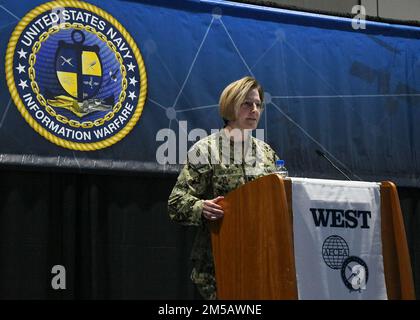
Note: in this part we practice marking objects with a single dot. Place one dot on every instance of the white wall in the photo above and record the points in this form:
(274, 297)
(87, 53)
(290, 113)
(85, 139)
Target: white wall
(408, 10)
(402, 9)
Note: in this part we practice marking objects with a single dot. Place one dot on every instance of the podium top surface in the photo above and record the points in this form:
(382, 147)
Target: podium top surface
(347, 183)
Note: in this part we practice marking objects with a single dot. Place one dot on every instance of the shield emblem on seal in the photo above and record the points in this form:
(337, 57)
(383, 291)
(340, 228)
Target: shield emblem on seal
(79, 70)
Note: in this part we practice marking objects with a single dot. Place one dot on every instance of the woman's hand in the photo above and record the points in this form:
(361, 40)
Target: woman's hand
(211, 210)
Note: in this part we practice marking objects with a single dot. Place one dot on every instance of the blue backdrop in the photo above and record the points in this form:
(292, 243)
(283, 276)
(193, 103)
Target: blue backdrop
(352, 94)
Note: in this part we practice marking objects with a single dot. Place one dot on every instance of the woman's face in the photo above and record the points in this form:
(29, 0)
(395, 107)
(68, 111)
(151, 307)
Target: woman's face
(249, 112)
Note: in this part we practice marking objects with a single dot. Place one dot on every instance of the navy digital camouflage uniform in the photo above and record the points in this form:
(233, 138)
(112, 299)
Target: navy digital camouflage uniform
(218, 172)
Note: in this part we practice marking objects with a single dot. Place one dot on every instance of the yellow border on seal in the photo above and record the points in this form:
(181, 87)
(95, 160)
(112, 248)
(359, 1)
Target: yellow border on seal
(11, 47)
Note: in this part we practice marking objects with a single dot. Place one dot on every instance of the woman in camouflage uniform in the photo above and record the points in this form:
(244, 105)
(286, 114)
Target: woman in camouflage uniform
(216, 165)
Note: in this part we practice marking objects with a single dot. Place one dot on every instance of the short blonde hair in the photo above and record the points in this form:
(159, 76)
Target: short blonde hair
(234, 95)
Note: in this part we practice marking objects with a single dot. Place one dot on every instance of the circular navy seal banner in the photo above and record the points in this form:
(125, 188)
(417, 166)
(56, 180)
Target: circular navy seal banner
(76, 75)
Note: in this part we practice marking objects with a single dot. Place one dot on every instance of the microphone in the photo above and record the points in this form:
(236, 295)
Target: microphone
(322, 154)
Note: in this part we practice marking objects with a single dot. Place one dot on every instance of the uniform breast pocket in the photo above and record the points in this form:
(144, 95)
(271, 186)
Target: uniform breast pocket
(268, 168)
(260, 170)
(227, 178)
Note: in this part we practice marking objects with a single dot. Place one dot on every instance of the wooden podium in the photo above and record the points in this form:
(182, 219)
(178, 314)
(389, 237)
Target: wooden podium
(253, 243)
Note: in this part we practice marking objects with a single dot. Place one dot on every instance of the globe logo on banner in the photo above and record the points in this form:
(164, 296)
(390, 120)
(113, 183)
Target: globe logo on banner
(354, 271)
(334, 251)
(76, 75)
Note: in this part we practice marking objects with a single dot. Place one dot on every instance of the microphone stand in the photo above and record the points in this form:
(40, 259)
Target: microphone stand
(321, 154)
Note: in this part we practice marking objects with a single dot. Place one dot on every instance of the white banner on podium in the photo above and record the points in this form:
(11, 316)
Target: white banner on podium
(337, 239)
